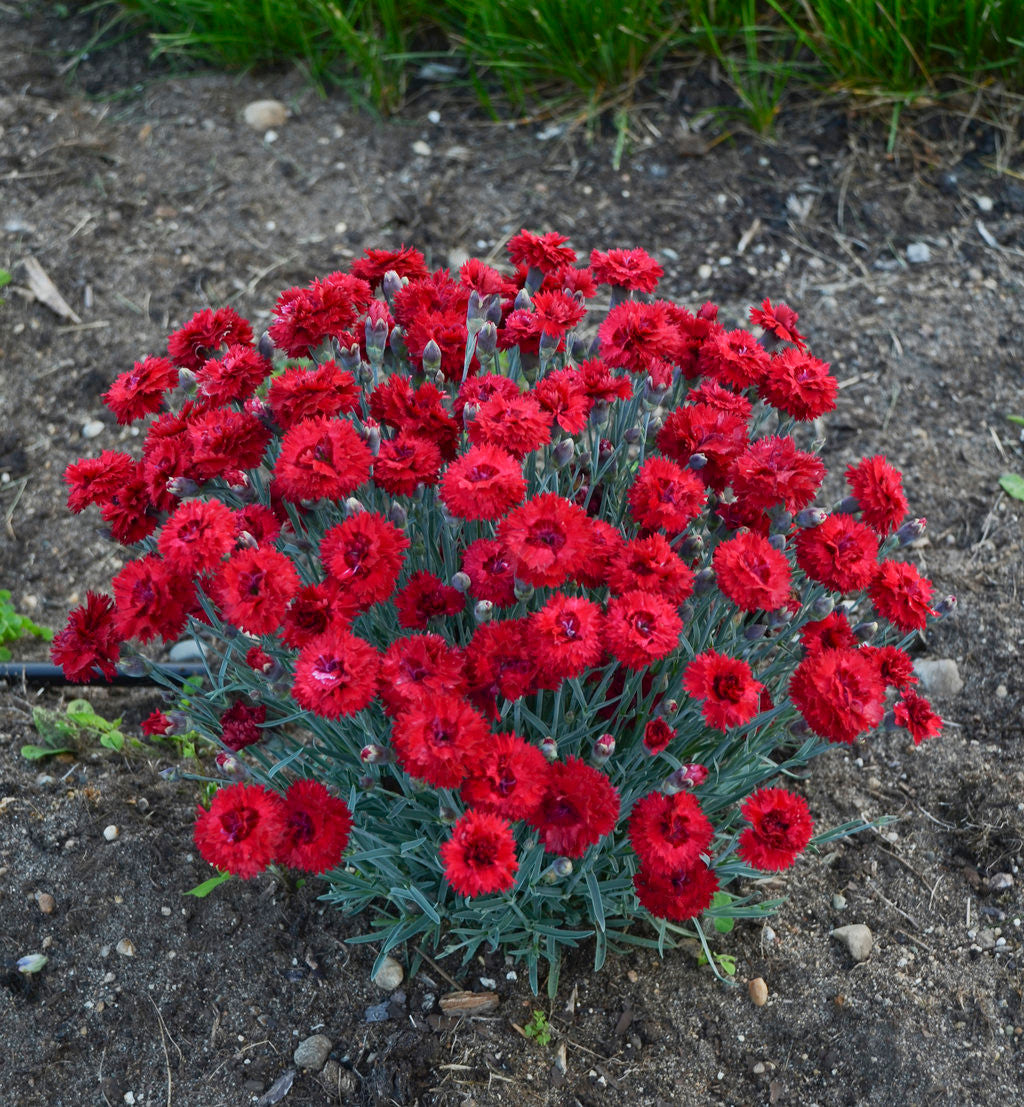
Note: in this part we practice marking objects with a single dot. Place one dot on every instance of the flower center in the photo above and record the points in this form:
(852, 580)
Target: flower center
(239, 824)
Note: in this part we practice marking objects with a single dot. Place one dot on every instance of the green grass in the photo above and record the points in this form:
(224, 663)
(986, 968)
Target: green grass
(532, 52)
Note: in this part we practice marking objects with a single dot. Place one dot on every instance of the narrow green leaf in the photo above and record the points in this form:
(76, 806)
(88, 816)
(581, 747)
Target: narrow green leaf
(1018, 419)
(1013, 485)
(207, 886)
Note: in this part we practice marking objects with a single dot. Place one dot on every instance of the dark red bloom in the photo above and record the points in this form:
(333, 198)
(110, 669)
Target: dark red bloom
(915, 713)
(678, 895)
(632, 269)
(651, 565)
(256, 659)
(419, 667)
(510, 778)
(152, 599)
(901, 595)
(447, 329)
(316, 828)
(602, 384)
(243, 829)
(424, 597)
(89, 640)
(641, 627)
(417, 411)
(321, 459)
(566, 637)
(439, 740)
(140, 391)
(726, 685)
(831, 633)
(894, 665)
(752, 573)
(300, 393)
(241, 725)
(546, 252)
(878, 488)
(669, 832)
(483, 483)
(779, 320)
(313, 609)
(364, 554)
(734, 358)
(205, 333)
(405, 462)
(640, 337)
(501, 662)
(839, 693)
(129, 512)
(94, 480)
(374, 264)
(254, 588)
(335, 674)
(799, 385)
(547, 537)
(563, 395)
(579, 807)
(664, 496)
(480, 856)
(490, 568)
(484, 280)
(197, 536)
(517, 424)
(717, 435)
(329, 307)
(841, 553)
(156, 722)
(657, 735)
(233, 377)
(225, 441)
(780, 828)
(772, 471)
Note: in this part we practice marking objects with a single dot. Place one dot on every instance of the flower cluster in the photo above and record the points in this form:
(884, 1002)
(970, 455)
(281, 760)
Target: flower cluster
(544, 589)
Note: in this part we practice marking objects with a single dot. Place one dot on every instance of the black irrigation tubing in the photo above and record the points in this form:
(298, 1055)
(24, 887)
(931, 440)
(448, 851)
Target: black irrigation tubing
(42, 673)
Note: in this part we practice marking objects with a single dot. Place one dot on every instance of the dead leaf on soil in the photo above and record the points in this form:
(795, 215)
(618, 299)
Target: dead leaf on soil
(45, 291)
(468, 1003)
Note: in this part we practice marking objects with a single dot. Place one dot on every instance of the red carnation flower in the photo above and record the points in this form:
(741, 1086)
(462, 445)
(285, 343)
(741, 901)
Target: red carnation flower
(425, 597)
(713, 395)
(259, 523)
(313, 609)
(197, 536)
(321, 459)
(641, 627)
(240, 725)
(206, 332)
(579, 807)
(335, 674)
(480, 856)
(243, 829)
(780, 828)
(601, 384)
(841, 553)
(419, 667)
(545, 252)
(772, 471)
(651, 565)
(717, 435)
(316, 828)
(606, 545)
(678, 895)
(839, 693)
(901, 595)
(484, 483)
(878, 488)
(726, 685)
(894, 665)
(548, 537)
(156, 722)
(632, 269)
(669, 832)
(129, 512)
(799, 385)
(418, 411)
(557, 312)
(257, 660)
(329, 307)
(481, 278)
(563, 395)
(439, 740)
(405, 462)
(93, 480)
(490, 568)
(779, 320)
(374, 264)
(665, 496)
(225, 441)
(88, 641)
(752, 573)
(152, 599)
(831, 633)
(510, 778)
(447, 329)
(300, 393)
(233, 377)
(140, 390)
(566, 635)
(657, 735)
(733, 358)
(501, 662)
(364, 554)
(640, 337)
(478, 390)
(915, 713)
(517, 424)
(254, 588)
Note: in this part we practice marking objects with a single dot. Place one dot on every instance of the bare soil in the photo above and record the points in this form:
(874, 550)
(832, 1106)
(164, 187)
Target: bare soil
(145, 197)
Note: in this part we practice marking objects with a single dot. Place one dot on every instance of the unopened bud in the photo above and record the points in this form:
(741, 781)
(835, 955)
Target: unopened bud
(605, 451)
(178, 722)
(352, 507)
(522, 301)
(391, 284)
(911, 531)
(372, 437)
(599, 413)
(265, 347)
(350, 358)
(523, 590)
(946, 607)
(486, 340)
(691, 546)
(704, 581)
(180, 487)
(810, 517)
(822, 607)
(849, 505)
(781, 521)
(398, 516)
(367, 783)
(431, 357)
(483, 611)
(697, 462)
(778, 619)
(229, 765)
(469, 413)
(653, 394)
(632, 436)
(462, 582)
(604, 747)
(777, 541)
(549, 747)
(373, 754)
(474, 309)
(396, 340)
(578, 347)
(865, 631)
(799, 728)
(186, 379)
(492, 309)
(132, 667)
(447, 816)
(548, 346)
(755, 631)
(558, 870)
(563, 453)
(376, 339)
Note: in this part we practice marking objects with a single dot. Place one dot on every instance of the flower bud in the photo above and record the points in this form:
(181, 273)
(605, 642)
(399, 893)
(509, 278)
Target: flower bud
(398, 516)
(431, 357)
(180, 487)
(447, 816)
(492, 308)
(469, 413)
(632, 436)
(350, 358)
(391, 284)
(376, 340)
(172, 774)
(799, 728)
(946, 607)
(599, 413)
(352, 507)
(577, 347)
(781, 521)
(229, 765)
(604, 747)
(865, 631)
(483, 611)
(523, 590)
(777, 541)
(373, 754)
(474, 309)
(462, 582)
(691, 546)
(132, 667)
(605, 451)
(396, 340)
(776, 620)
(372, 438)
(367, 783)
(523, 301)
(549, 747)
(911, 531)
(558, 870)
(653, 394)
(178, 722)
(563, 453)
(548, 346)
(697, 462)
(810, 517)
(704, 581)
(755, 631)
(265, 347)
(186, 380)
(822, 607)
(849, 505)
(486, 340)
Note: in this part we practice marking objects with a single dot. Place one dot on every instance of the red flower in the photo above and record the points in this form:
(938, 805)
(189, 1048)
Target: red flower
(140, 390)
(484, 483)
(240, 725)
(419, 667)
(901, 595)
(321, 459)
(878, 488)
(197, 536)
(799, 385)
(152, 599)
(734, 358)
(258, 522)
(717, 435)
(335, 674)
(480, 856)
(650, 565)
(780, 828)
(602, 384)
(669, 832)
(316, 828)
(490, 567)
(641, 627)
(726, 685)
(831, 633)
(563, 395)
(640, 337)
(364, 554)
(678, 895)
(557, 312)
(405, 462)
(243, 829)
(665, 496)
(841, 553)
(420, 411)
(545, 252)
(915, 713)
(440, 739)
(304, 317)
(446, 328)
(257, 660)
(478, 390)
(233, 377)
(300, 393)
(312, 610)
(223, 440)
(481, 278)
(579, 807)
(425, 597)
(88, 641)
(547, 537)
(752, 573)
(894, 665)
(839, 693)
(566, 637)
(657, 735)
(779, 320)
(129, 512)
(156, 722)
(254, 588)
(632, 269)
(517, 424)
(93, 480)
(374, 264)
(206, 332)
(510, 778)
(772, 471)
(606, 544)
(713, 395)
(501, 662)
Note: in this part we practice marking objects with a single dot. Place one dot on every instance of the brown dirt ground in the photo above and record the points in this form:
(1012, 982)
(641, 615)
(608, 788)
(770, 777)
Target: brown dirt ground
(144, 196)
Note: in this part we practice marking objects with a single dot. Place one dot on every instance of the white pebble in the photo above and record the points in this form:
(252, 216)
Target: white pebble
(111, 833)
(126, 947)
(918, 252)
(91, 429)
(434, 117)
(389, 975)
(421, 148)
(985, 203)
(263, 115)
(857, 939)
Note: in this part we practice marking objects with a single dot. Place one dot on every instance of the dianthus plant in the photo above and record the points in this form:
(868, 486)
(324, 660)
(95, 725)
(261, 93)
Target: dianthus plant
(518, 615)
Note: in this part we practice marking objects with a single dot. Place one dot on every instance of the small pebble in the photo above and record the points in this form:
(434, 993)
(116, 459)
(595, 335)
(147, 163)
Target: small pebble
(434, 117)
(421, 148)
(111, 833)
(1000, 882)
(311, 1053)
(389, 975)
(839, 902)
(263, 115)
(1002, 691)
(857, 939)
(758, 991)
(126, 947)
(986, 938)
(46, 903)
(918, 253)
(91, 429)
(940, 676)
(985, 203)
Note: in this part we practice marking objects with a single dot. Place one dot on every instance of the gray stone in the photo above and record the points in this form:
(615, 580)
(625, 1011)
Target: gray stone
(856, 938)
(986, 938)
(839, 902)
(940, 676)
(311, 1053)
(1000, 882)
(389, 975)
(918, 253)
(92, 429)
(263, 115)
